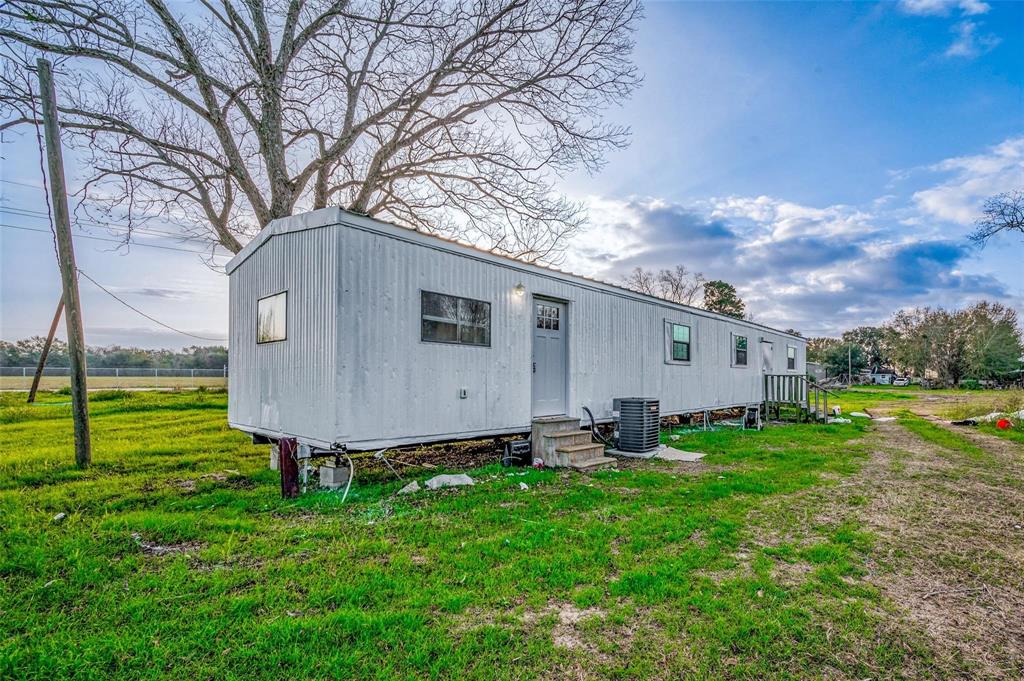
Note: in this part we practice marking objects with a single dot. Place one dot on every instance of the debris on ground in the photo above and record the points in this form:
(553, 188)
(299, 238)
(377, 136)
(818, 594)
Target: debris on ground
(411, 488)
(679, 455)
(523, 486)
(989, 418)
(884, 419)
(838, 419)
(456, 480)
(860, 415)
(59, 517)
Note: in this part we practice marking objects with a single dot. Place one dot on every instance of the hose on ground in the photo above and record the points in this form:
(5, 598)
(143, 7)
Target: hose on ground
(593, 428)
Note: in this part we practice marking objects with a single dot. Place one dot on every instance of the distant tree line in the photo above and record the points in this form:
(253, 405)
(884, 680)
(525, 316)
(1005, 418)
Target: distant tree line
(26, 352)
(981, 342)
(680, 285)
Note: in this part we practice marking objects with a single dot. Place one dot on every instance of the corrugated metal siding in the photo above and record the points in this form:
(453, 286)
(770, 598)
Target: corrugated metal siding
(286, 386)
(392, 386)
(355, 371)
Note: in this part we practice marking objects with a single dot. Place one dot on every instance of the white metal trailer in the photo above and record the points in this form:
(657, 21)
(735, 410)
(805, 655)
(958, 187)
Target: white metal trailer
(349, 331)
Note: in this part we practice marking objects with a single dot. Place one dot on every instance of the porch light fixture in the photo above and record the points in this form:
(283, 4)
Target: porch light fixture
(519, 290)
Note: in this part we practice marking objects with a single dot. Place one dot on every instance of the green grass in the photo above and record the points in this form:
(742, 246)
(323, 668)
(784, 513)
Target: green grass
(859, 398)
(463, 583)
(1002, 401)
(940, 436)
(1015, 433)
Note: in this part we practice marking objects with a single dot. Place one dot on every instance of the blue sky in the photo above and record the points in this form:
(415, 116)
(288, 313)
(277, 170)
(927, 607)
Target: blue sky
(828, 159)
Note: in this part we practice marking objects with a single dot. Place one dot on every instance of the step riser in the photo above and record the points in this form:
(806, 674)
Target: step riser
(580, 456)
(576, 437)
(550, 446)
(595, 464)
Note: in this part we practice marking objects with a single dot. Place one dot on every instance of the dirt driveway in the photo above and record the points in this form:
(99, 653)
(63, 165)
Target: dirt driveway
(949, 515)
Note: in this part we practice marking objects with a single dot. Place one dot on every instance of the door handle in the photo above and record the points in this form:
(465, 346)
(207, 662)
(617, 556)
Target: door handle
(534, 367)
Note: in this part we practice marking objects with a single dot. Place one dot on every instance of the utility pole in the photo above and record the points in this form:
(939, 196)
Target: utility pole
(68, 269)
(849, 364)
(46, 351)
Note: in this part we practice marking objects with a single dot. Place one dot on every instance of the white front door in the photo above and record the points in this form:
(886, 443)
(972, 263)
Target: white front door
(549, 358)
(767, 357)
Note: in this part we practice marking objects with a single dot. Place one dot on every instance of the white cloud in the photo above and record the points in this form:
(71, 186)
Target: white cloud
(972, 180)
(781, 220)
(969, 42)
(817, 269)
(944, 7)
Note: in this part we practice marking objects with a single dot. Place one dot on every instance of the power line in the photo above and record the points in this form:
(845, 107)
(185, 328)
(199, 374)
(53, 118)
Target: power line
(29, 213)
(21, 211)
(101, 239)
(137, 310)
(22, 184)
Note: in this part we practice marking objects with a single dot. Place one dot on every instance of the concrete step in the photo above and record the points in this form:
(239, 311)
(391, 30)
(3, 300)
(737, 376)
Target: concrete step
(594, 464)
(550, 424)
(569, 437)
(579, 454)
(543, 446)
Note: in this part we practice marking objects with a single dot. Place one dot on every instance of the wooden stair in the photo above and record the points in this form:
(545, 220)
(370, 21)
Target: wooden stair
(797, 397)
(561, 444)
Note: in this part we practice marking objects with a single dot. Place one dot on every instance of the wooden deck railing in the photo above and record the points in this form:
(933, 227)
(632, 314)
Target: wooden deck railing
(807, 398)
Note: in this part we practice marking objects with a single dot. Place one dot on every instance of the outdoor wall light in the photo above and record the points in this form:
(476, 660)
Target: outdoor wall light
(519, 289)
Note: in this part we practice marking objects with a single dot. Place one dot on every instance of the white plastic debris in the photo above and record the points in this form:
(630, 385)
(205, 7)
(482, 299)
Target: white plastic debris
(411, 488)
(457, 480)
(59, 517)
(996, 415)
(523, 486)
(839, 420)
(860, 415)
(884, 419)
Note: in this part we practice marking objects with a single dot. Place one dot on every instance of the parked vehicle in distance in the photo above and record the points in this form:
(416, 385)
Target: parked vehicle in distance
(901, 381)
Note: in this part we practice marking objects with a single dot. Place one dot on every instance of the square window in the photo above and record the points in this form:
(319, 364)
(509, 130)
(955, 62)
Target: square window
(272, 318)
(791, 358)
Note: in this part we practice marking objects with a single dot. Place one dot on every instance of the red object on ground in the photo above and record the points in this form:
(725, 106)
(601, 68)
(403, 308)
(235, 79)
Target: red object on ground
(1003, 424)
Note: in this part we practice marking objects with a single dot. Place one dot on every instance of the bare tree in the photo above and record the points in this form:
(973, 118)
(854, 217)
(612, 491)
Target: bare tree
(642, 281)
(679, 285)
(453, 117)
(1000, 213)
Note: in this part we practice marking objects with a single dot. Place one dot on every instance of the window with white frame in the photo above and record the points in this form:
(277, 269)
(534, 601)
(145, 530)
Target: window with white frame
(678, 342)
(739, 350)
(451, 319)
(272, 318)
(791, 357)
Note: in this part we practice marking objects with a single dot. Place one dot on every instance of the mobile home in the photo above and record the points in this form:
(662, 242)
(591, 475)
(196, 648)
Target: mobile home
(346, 331)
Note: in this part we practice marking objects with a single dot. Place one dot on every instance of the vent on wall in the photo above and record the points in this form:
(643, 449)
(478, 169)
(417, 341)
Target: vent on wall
(639, 423)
